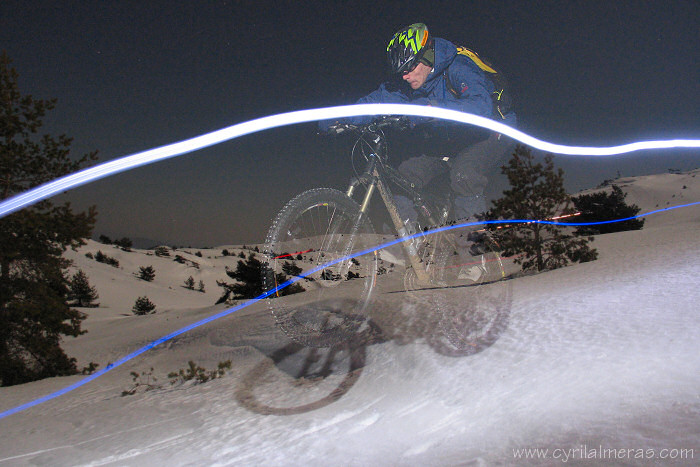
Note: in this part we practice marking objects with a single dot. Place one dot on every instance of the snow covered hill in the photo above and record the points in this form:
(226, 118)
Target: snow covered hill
(661, 191)
(119, 287)
(591, 360)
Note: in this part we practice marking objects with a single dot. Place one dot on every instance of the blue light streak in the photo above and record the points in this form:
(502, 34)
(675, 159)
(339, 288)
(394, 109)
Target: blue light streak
(329, 113)
(122, 164)
(229, 311)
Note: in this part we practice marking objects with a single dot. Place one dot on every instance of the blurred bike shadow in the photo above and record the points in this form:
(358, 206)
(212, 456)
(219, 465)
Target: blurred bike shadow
(294, 378)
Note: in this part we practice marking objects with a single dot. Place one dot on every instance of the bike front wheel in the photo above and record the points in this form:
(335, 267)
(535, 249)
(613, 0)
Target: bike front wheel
(315, 240)
(475, 298)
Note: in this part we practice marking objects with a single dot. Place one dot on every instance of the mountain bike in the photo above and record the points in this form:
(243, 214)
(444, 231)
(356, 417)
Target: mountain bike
(327, 237)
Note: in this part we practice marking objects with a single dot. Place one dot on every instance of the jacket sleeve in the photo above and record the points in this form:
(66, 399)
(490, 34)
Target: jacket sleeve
(385, 94)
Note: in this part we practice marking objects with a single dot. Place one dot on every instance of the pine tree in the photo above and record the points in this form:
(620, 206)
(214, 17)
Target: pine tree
(34, 310)
(200, 287)
(603, 206)
(189, 283)
(162, 251)
(124, 243)
(537, 192)
(143, 306)
(248, 275)
(103, 258)
(291, 269)
(81, 291)
(147, 273)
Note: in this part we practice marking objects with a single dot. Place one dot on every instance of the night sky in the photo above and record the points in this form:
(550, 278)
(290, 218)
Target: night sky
(133, 75)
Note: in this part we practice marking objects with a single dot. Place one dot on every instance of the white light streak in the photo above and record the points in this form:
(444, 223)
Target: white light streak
(328, 113)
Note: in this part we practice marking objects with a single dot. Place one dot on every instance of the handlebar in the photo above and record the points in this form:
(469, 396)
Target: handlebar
(399, 122)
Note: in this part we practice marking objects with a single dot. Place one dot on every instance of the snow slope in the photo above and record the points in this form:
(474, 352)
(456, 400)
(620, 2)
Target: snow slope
(601, 355)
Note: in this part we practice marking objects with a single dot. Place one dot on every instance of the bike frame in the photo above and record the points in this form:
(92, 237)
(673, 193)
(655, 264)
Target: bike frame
(375, 177)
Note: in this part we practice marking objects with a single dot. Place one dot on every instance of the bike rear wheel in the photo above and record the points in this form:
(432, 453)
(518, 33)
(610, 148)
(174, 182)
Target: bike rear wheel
(319, 232)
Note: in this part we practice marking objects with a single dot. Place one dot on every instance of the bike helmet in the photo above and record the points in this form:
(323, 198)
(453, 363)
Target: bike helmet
(407, 47)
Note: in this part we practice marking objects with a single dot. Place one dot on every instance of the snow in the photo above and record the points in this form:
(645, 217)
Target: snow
(597, 354)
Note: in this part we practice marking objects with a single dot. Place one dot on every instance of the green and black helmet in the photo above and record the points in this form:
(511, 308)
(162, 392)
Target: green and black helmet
(408, 47)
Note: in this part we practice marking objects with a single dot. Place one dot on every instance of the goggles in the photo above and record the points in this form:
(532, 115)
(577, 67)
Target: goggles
(413, 66)
(410, 68)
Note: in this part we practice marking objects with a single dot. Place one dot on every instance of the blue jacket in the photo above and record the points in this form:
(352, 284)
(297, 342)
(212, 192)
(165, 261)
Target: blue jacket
(472, 83)
(475, 86)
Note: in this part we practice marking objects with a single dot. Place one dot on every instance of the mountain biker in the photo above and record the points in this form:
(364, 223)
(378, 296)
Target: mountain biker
(429, 71)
